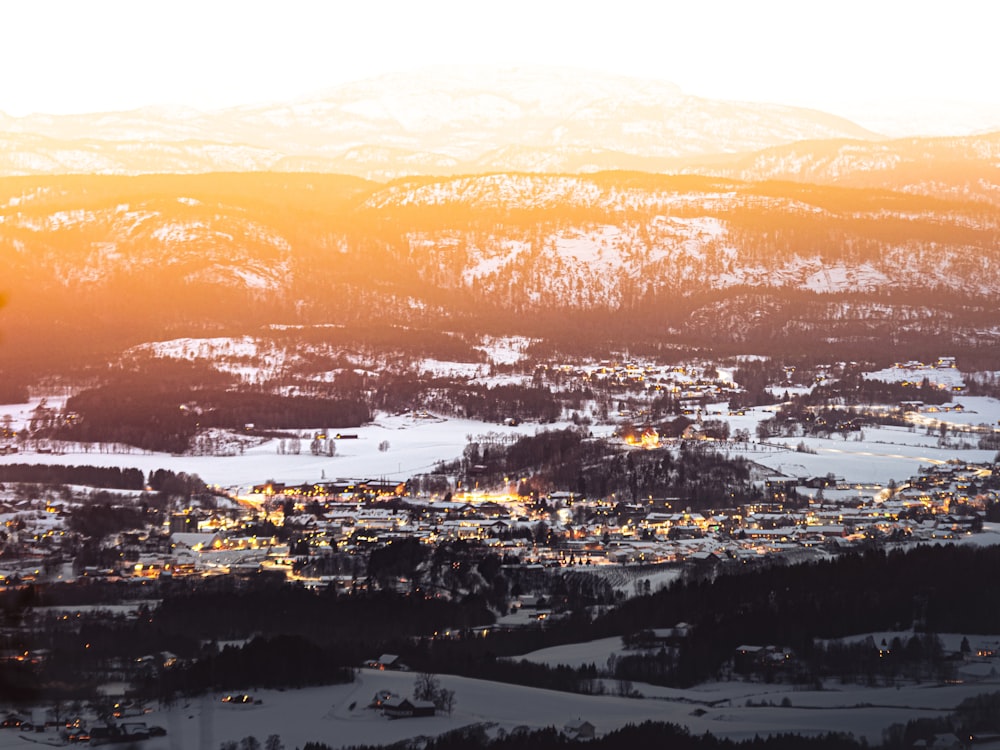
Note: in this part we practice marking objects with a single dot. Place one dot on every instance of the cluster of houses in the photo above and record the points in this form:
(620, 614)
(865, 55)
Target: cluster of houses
(914, 373)
(691, 384)
(803, 516)
(45, 726)
(977, 662)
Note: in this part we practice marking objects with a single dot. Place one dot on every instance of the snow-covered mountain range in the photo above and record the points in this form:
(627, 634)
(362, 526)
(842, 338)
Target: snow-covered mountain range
(441, 121)
(515, 214)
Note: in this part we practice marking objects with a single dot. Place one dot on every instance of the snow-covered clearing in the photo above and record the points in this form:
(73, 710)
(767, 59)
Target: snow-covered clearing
(858, 462)
(914, 372)
(505, 350)
(579, 654)
(882, 452)
(440, 369)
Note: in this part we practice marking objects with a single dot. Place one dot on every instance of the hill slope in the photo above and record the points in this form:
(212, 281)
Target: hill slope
(631, 256)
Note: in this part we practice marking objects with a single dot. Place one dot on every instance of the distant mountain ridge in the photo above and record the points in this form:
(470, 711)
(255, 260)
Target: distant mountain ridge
(439, 122)
(966, 167)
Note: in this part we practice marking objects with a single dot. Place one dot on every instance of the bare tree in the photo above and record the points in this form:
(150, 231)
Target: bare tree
(426, 686)
(446, 700)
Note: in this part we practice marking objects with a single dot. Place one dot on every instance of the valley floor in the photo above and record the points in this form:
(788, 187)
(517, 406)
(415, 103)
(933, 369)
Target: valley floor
(417, 444)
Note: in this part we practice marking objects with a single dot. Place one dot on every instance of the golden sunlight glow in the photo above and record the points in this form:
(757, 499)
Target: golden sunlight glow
(100, 56)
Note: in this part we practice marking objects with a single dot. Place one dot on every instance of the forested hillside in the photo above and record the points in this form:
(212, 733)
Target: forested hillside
(96, 264)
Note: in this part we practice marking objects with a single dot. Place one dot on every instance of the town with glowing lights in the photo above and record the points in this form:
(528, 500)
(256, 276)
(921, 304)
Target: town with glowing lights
(501, 406)
(628, 483)
(781, 506)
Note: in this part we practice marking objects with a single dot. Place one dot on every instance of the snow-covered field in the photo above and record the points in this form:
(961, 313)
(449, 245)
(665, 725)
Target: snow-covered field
(873, 456)
(325, 714)
(579, 654)
(858, 462)
(945, 377)
(417, 444)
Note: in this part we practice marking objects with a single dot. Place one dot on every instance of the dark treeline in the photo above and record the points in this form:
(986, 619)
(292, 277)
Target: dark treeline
(494, 404)
(158, 403)
(13, 390)
(697, 475)
(13, 602)
(983, 384)
(754, 377)
(78, 658)
(568, 460)
(98, 520)
(552, 457)
(352, 624)
(304, 637)
(411, 342)
(979, 715)
(931, 589)
(395, 392)
(848, 387)
(167, 420)
(918, 657)
(787, 606)
(265, 662)
(795, 416)
(788, 325)
(648, 734)
(90, 476)
(791, 606)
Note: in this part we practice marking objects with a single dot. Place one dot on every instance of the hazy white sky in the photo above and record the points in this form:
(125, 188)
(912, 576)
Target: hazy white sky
(62, 56)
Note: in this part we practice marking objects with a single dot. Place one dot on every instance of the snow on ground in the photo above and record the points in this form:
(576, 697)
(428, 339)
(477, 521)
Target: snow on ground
(325, 714)
(250, 358)
(976, 410)
(505, 350)
(416, 445)
(914, 373)
(949, 641)
(840, 277)
(492, 381)
(578, 654)
(20, 414)
(442, 369)
(857, 462)
(598, 249)
(487, 262)
(624, 578)
(884, 453)
(989, 536)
